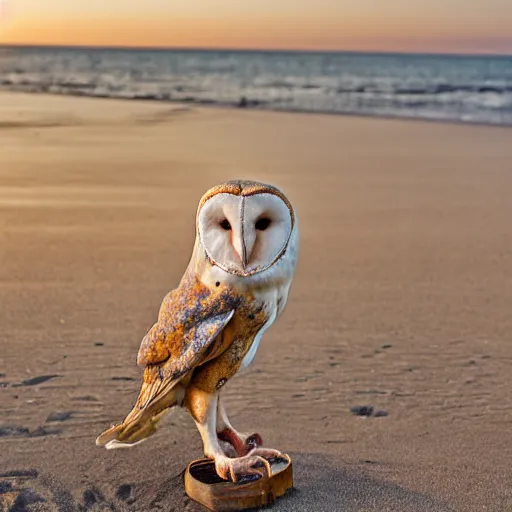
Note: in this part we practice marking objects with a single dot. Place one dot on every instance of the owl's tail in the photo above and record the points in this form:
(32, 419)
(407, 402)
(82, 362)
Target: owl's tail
(156, 397)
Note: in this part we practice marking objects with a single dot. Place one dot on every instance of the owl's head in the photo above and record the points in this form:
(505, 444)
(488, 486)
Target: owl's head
(244, 226)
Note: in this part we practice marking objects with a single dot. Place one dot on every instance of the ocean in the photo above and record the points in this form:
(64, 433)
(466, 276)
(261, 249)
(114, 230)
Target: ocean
(448, 88)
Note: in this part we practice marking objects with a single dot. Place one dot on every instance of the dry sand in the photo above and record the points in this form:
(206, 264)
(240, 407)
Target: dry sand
(402, 301)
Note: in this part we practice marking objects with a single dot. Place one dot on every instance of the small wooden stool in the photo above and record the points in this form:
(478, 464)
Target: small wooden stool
(203, 485)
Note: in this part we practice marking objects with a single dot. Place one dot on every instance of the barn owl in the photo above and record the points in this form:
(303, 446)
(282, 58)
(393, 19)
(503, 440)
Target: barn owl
(210, 327)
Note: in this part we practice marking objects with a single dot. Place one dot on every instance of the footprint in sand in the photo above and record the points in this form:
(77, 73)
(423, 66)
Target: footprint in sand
(20, 431)
(38, 380)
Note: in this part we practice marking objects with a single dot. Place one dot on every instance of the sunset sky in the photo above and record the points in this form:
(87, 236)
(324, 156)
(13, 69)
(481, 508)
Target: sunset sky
(452, 26)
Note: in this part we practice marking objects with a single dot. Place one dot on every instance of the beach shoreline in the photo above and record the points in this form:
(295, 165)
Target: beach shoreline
(258, 108)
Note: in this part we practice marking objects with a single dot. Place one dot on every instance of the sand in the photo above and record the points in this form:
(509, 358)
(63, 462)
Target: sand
(402, 301)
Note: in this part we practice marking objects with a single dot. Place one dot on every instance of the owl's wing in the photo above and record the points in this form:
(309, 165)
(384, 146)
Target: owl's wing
(183, 338)
(179, 348)
(189, 323)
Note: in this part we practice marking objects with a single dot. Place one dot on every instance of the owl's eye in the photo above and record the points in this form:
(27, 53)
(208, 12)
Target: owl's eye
(262, 224)
(225, 225)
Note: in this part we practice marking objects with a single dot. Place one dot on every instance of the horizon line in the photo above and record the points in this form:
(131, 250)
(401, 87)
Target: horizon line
(253, 50)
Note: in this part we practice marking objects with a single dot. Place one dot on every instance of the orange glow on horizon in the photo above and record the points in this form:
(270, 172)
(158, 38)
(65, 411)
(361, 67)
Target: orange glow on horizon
(376, 31)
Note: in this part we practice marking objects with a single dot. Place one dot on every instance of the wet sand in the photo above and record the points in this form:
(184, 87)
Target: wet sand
(402, 301)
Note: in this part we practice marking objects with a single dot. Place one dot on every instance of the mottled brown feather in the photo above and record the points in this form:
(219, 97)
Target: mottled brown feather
(190, 317)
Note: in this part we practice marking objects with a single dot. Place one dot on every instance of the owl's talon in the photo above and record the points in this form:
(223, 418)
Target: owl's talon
(267, 453)
(252, 442)
(242, 469)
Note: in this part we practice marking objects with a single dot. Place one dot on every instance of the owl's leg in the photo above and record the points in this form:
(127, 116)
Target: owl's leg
(241, 443)
(203, 408)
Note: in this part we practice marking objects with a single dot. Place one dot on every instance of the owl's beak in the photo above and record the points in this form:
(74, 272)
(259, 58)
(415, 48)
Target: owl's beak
(243, 241)
(241, 250)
